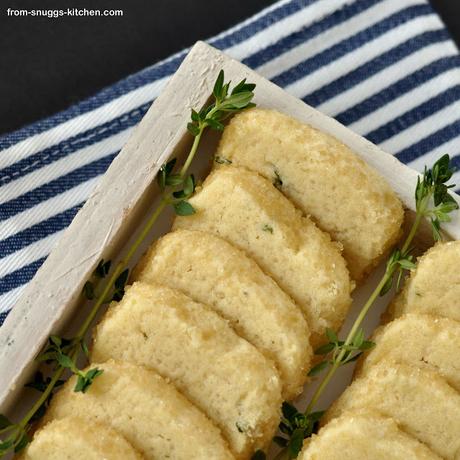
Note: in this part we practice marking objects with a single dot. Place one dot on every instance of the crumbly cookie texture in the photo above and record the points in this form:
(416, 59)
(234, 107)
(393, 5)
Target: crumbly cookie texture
(434, 286)
(421, 402)
(197, 350)
(148, 411)
(322, 177)
(363, 436)
(245, 209)
(73, 438)
(214, 272)
(420, 340)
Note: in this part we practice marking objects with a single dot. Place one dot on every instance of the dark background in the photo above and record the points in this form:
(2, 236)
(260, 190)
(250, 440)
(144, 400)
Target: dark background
(48, 64)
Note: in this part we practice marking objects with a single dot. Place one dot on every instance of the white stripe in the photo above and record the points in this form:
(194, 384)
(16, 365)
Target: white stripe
(132, 100)
(451, 147)
(363, 54)
(333, 36)
(47, 209)
(28, 254)
(63, 166)
(407, 102)
(8, 300)
(259, 40)
(148, 92)
(285, 27)
(422, 129)
(123, 104)
(81, 123)
(252, 19)
(385, 78)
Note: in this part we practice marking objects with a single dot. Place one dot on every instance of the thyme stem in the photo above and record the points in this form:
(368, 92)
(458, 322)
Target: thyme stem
(105, 293)
(66, 355)
(433, 202)
(120, 267)
(139, 240)
(389, 272)
(193, 150)
(44, 396)
(348, 341)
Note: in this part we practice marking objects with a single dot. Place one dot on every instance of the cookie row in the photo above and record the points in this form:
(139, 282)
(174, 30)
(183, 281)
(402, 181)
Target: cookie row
(220, 321)
(413, 374)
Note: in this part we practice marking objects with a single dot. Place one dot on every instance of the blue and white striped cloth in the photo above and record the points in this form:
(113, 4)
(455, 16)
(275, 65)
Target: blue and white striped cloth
(386, 68)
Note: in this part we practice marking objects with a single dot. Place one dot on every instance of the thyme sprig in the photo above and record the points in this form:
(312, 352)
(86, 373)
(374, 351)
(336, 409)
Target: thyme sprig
(340, 353)
(432, 189)
(63, 352)
(296, 426)
(176, 187)
(433, 202)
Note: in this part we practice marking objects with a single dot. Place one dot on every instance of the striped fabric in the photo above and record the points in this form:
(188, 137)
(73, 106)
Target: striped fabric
(386, 68)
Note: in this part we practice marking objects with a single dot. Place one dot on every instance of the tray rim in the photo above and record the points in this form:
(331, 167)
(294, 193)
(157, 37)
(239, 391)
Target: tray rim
(101, 226)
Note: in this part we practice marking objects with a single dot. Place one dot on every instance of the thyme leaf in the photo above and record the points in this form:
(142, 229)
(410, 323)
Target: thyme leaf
(119, 285)
(338, 352)
(103, 268)
(85, 379)
(88, 290)
(176, 188)
(267, 228)
(432, 201)
(222, 160)
(432, 188)
(296, 426)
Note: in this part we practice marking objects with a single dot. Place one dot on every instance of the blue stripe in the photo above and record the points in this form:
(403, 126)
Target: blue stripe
(377, 64)
(430, 142)
(166, 68)
(397, 89)
(71, 145)
(455, 162)
(19, 277)
(37, 232)
(112, 92)
(55, 187)
(344, 47)
(250, 29)
(415, 115)
(133, 82)
(3, 316)
(149, 75)
(308, 32)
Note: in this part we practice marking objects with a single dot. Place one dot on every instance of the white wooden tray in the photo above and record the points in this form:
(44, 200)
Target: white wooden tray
(123, 197)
